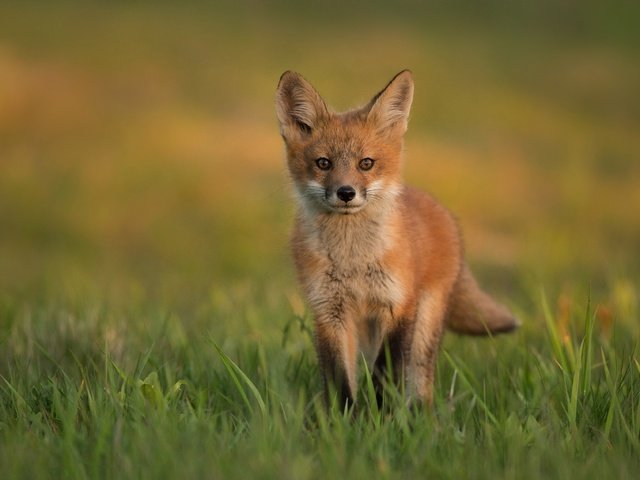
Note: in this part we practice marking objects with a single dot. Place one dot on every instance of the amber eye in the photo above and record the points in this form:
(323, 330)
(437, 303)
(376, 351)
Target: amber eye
(323, 163)
(366, 163)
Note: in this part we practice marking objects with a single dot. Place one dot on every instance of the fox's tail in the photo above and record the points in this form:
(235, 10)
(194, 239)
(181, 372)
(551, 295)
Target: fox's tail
(473, 312)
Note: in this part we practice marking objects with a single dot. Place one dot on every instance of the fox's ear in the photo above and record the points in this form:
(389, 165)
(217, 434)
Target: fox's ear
(390, 108)
(299, 107)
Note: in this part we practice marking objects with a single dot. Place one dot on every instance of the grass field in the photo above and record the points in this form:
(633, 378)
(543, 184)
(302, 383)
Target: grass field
(150, 325)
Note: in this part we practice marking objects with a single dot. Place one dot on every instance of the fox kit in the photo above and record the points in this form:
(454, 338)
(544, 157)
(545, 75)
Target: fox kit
(381, 263)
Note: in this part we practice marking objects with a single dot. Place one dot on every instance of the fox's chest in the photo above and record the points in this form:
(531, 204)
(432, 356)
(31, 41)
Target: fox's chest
(363, 282)
(348, 276)
(359, 289)
(353, 270)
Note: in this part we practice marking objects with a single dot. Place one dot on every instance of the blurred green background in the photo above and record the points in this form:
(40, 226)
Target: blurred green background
(140, 155)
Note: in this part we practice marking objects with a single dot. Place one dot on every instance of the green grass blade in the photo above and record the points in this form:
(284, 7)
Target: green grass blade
(613, 392)
(469, 385)
(236, 374)
(371, 396)
(554, 335)
(586, 350)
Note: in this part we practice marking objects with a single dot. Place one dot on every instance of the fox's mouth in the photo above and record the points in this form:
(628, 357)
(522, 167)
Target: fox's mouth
(345, 209)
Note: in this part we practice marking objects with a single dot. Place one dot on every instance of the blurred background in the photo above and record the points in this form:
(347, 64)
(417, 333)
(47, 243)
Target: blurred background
(140, 155)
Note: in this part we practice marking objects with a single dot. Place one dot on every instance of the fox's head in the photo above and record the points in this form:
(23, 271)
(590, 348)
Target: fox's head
(343, 162)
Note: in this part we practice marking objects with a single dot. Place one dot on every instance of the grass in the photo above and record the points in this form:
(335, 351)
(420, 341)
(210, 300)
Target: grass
(150, 325)
(87, 401)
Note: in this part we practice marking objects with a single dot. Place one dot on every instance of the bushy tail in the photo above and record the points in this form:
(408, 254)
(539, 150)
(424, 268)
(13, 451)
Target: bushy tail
(473, 312)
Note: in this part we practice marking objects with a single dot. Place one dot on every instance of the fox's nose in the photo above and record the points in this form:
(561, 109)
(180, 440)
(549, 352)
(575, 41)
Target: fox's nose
(346, 193)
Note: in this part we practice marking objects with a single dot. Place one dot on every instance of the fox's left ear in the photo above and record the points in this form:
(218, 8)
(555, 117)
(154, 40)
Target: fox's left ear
(389, 109)
(300, 109)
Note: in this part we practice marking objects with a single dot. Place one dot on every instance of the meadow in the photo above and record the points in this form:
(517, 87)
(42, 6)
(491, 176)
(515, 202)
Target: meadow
(150, 323)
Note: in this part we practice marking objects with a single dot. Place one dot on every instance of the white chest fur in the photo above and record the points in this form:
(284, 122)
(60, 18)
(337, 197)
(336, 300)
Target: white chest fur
(353, 278)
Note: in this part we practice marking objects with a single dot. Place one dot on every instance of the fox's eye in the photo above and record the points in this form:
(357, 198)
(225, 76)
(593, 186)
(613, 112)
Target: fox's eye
(366, 163)
(323, 163)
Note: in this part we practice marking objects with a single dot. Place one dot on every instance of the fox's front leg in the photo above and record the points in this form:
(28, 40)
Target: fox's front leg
(425, 345)
(336, 344)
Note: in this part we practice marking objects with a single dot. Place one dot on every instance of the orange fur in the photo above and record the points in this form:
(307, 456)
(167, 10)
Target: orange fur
(381, 263)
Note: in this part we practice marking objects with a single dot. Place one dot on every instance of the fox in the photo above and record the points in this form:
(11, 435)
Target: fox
(381, 264)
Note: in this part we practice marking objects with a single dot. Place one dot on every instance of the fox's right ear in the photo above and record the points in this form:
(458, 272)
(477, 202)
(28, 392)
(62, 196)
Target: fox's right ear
(299, 107)
(389, 109)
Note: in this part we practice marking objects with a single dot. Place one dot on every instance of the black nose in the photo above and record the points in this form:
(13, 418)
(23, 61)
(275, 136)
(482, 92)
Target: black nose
(346, 193)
